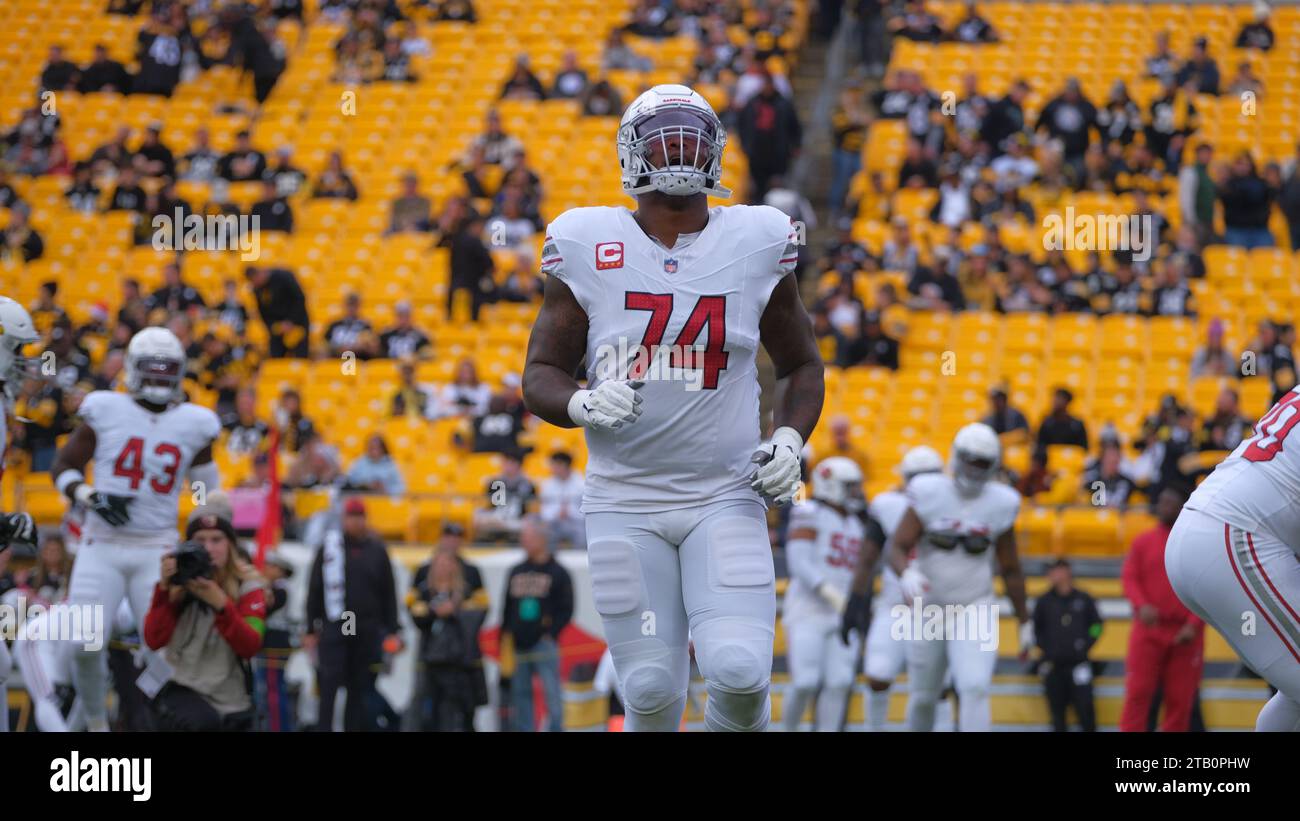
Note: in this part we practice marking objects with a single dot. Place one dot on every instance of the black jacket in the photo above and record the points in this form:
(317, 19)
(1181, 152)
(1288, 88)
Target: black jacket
(281, 299)
(369, 590)
(538, 602)
(1066, 627)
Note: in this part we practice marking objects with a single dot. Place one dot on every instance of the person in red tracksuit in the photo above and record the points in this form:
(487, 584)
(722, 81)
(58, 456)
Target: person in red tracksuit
(1166, 644)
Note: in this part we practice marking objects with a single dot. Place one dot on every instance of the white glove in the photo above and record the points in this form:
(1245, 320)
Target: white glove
(833, 597)
(607, 407)
(777, 477)
(913, 583)
(1027, 641)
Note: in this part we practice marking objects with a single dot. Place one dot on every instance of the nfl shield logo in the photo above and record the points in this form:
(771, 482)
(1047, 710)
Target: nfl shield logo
(670, 266)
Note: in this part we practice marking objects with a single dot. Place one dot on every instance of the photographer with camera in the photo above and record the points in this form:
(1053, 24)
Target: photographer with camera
(207, 616)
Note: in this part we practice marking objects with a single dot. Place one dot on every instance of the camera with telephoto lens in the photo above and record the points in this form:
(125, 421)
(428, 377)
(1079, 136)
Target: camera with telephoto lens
(192, 562)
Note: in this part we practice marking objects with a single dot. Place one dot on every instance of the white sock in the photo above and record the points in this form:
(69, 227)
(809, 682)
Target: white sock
(877, 710)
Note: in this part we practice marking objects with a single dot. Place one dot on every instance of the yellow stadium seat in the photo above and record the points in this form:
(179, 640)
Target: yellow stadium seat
(1087, 531)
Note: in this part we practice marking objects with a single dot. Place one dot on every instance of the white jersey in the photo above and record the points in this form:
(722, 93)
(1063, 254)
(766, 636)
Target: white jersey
(1257, 488)
(887, 509)
(146, 456)
(833, 557)
(957, 576)
(699, 305)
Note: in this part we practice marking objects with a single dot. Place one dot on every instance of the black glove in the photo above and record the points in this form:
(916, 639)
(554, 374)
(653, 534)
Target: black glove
(857, 616)
(16, 527)
(110, 508)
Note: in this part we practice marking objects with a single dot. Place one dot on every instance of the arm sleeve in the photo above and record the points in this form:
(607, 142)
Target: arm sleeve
(160, 621)
(388, 589)
(316, 594)
(243, 623)
(1132, 577)
(563, 602)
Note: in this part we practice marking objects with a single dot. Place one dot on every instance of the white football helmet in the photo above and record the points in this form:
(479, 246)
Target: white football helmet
(16, 331)
(837, 480)
(976, 454)
(918, 460)
(679, 121)
(155, 366)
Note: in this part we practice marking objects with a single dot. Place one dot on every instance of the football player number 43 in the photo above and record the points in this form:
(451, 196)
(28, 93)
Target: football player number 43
(1273, 428)
(130, 463)
(709, 310)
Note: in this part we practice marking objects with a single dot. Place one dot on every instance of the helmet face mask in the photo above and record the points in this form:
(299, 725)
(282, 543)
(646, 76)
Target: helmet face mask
(838, 481)
(155, 366)
(976, 455)
(16, 332)
(671, 141)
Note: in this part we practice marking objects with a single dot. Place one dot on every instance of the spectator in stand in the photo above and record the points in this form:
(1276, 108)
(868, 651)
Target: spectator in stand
(316, 464)
(973, 28)
(202, 163)
(510, 496)
(397, 64)
(770, 134)
(1038, 480)
(538, 605)
(1197, 193)
(20, 239)
(1006, 117)
(411, 399)
(127, 195)
(403, 340)
(444, 698)
(1257, 34)
(1247, 200)
(523, 83)
(618, 56)
(1245, 81)
(915, 23)
(1226, 427)
(113, 156)
(375, 471)
(841, 444)
(497, 146)
(242, 164)
(289, 178)
(934, 290)
(497, 430)
(411, 211)
(570, 80)
(230, 311)
(560, 500)
(283, 308)
(153, 158)
(900, 253)
(601, 99)
(245, 433)
(1105, 484)
(873, 348)
(1066, 625)
(1059, 427)
(1069, 117)
(273, 212)
(1166, 643)
(471, 267)
(295, 428)
(351, 617)
(1283, 375)
(103, 73)
(1007, 422)
(917, 170)
(334, 182)
(1200, 69)
(59, 73)
(466, 395)
(1289, 198)
(83, 195)
(849, 123)
(351, 333)
(1212, 358)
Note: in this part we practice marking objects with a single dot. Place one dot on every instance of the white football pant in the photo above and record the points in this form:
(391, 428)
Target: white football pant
(819, 661)
(663, 580)
(1247, 586)
(971, 660)
(104, 574)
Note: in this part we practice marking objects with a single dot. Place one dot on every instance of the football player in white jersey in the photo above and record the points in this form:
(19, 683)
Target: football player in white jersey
(677, 472)
(1234, 551)
(958, 523)
(826, 537)
(148, 445)
(886, 655)
(16, 331)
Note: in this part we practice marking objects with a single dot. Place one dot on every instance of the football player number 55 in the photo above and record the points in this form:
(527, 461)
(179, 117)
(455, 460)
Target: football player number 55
(1273, 427)
(709, 310)
(130, 463)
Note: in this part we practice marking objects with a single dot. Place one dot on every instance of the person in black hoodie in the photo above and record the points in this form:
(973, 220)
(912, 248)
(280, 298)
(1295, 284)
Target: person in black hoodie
(1246, 199)
(350, 649)
(250, 50)
(443, 605)
(770, 134)
(538, 605)
(104, 74)
(471, 266)
(283, 307)
(1066, 626)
